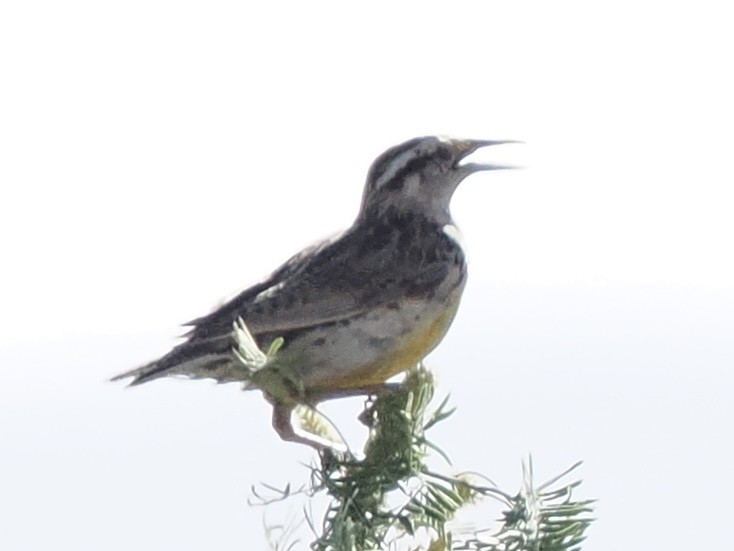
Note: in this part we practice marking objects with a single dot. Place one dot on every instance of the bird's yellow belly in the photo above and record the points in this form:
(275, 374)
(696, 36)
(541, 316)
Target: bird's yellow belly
(409, 350)
(373, 348)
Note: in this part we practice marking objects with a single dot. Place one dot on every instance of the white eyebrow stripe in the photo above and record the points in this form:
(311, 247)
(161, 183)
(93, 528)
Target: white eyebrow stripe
(396, 165)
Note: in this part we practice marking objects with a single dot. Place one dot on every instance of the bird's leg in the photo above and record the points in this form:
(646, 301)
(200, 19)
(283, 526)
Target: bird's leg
(367, 390)
(283, 410)
(285, 402)
(284, 427)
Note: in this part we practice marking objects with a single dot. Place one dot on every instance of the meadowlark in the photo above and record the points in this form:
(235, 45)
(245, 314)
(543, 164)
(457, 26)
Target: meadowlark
(355, 310)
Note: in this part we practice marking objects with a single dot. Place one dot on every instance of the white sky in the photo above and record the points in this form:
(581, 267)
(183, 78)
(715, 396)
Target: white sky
(156, 156)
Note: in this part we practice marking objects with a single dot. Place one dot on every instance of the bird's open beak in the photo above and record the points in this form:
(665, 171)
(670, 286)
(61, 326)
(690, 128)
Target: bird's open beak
(466, 147)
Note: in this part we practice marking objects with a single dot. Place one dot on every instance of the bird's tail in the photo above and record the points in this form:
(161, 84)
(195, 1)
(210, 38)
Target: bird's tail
(199, 359)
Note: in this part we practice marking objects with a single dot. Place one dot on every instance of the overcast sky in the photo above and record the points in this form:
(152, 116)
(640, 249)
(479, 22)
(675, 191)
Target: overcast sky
(157, 156)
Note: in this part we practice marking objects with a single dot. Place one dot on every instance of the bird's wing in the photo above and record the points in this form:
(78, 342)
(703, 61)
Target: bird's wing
(331, 281)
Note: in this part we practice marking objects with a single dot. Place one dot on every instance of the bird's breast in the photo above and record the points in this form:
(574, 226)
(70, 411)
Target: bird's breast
(370, 348)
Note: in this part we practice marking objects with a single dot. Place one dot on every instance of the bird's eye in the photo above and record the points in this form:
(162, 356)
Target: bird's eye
(443, 154)
(443, 158)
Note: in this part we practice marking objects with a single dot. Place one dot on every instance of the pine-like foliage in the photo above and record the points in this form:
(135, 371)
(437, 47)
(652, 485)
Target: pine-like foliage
(359, 516)
(383, 499)
(390, 498)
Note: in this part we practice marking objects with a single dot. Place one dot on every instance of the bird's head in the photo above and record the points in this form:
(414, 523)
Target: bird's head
(421, 175)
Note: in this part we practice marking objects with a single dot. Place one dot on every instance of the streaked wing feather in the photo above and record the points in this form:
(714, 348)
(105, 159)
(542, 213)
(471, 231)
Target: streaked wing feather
(323, 284)
(219, 321)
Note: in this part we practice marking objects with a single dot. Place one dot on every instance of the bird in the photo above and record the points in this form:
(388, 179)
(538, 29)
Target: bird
(355, 310)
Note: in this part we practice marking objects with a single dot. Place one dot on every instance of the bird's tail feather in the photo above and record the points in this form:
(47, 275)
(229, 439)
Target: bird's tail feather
(200, 359)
